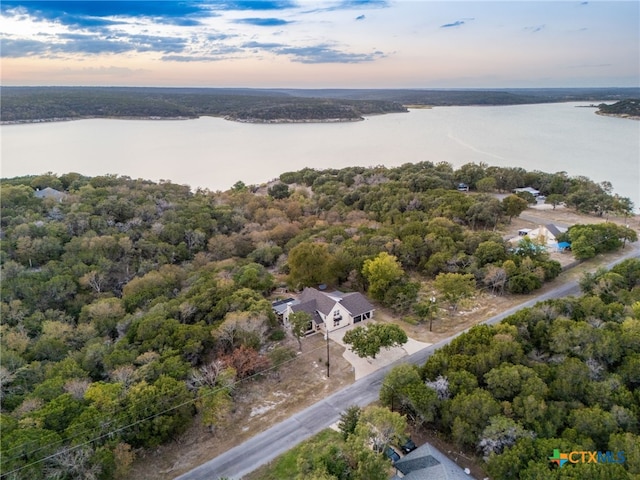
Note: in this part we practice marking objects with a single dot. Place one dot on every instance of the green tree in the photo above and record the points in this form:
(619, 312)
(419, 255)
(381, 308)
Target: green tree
(513, 206)
(368, 341)
(254, 276)
(214, 404)
(381, 272)
(158, 411)
(469, 414)
(554, 199)
(379, 427)
(300, 324)
(309, 264)
(279, 191)
(427, 310)
(486, 185)
(349, 420)
(490, 251)
(454, 287)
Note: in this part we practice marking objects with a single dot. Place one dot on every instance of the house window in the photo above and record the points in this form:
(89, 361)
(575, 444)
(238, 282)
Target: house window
(336, 322)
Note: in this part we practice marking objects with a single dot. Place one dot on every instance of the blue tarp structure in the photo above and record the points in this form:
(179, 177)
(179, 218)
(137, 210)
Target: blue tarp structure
(562, 246)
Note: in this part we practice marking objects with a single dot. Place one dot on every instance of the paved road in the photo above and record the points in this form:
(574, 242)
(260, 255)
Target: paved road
(266, 446)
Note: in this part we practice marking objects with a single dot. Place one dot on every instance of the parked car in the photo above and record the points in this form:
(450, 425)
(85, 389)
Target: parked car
(392, 454)
(408, 446)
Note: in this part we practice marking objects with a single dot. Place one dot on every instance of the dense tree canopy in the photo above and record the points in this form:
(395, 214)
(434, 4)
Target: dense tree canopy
(117, 293)
(559, 375)
(368, 341)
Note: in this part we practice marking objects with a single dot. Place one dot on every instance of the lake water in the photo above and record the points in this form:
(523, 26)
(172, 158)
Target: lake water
(214, 153)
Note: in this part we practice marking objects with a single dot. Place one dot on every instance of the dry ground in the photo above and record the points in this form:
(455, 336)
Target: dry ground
(259, 404)
(262, 403)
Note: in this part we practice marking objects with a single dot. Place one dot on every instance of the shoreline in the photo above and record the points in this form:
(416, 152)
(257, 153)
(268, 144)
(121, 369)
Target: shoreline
(72, 119)
(619, 115)
(153, 117)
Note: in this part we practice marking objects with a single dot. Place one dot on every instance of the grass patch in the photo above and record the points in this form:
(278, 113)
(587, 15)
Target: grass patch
(411, 320)
(286, 465)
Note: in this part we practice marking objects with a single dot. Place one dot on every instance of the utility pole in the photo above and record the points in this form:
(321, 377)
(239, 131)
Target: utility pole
(432, 310)
(327, 327)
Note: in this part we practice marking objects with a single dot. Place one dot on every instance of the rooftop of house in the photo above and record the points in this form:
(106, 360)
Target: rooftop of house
(280, 306)
(49, 192)
(428, 463)
(354, 302)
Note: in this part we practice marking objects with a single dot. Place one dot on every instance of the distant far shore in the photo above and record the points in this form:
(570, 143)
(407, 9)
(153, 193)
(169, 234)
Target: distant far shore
(72, 119)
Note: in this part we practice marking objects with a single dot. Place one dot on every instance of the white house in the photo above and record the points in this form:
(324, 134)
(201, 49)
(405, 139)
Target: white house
(546, 235)
(530, 190)
(330, 310)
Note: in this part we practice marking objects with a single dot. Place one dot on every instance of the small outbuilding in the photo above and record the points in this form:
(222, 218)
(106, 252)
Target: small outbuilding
(530, 190)
(49, 192)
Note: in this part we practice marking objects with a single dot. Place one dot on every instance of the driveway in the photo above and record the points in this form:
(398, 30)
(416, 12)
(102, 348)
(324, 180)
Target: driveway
(365, 366)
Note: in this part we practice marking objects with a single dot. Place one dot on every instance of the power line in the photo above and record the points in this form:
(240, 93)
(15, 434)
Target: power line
(150, 417)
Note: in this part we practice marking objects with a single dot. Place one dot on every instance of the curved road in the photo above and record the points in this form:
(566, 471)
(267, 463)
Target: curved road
(267, 445)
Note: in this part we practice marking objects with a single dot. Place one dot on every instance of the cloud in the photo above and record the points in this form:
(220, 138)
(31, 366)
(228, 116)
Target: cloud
(16, 48)
(327, 54)
(535, 29)
(454, 24)
(346, 4)
(90, 44)
(213, 55)
(262, 45)
(600, 65)
(253, 4)
(360, 17)
(91, 14)
(352, 5)
(263, 22)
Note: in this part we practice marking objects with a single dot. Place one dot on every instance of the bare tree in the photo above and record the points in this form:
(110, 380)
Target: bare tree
(72, 463)
(495, 279)
(207, 375)
(77, 387)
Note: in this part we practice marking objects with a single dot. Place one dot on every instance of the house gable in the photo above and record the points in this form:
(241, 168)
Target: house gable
(332, 310)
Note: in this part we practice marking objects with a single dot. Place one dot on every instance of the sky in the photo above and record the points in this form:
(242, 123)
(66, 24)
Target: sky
(321, 44)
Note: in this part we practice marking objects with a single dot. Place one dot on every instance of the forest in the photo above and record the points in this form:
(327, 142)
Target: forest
(131, 309)
(34, 104)
(623, 108)
(562, 375)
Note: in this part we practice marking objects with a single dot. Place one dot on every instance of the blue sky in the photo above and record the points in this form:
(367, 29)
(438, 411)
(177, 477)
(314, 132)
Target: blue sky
(321, 44)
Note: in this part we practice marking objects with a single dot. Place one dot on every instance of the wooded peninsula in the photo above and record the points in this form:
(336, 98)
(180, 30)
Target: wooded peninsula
(39, 104)
(131, 309)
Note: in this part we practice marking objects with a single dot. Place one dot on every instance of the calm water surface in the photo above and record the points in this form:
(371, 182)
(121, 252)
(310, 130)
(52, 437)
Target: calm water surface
(214, 153)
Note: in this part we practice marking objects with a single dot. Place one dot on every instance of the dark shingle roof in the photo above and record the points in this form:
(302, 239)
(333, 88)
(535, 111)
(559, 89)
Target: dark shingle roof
(553, 229)
(310, 307)
(356, 303)
(428, 463)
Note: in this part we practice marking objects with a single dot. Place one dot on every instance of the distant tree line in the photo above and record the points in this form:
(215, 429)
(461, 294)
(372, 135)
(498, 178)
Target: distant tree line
(21, 104)
(24, 104)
